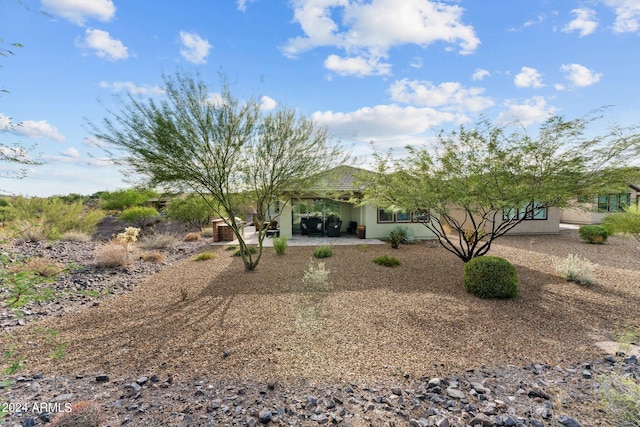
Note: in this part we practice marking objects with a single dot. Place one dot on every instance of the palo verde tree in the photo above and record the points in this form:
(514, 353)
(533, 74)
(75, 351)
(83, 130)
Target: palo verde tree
(218, 147)
(479, 183)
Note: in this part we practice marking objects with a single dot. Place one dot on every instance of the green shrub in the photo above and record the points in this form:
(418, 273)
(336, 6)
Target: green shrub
(593, 234)
(491, 277)
(280, 245)
(323, 252)
(204, 256)
(141, 217)
(387, 261)
(49, 218)
(120, 200)
(193, 210)
(249, 250)
(396, 239)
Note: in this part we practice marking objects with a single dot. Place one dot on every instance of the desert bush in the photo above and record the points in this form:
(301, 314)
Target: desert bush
(111, 254)
(280, 245)
(575, 269)
(128, 237)
(51, 217)
(29, 230)
(323, 251)
(139, 216)
(39, 266)
(249, 250)
(593, 234)
(387, 261)
(120, 200)
(204, 256)
(158, 241)
(193, 210)
(82, 414)
(193, 237)
(395, 238)
(207, 232)
(75, 236)
(491, 277)
(627, 222)
(154, 257)
(316, 277)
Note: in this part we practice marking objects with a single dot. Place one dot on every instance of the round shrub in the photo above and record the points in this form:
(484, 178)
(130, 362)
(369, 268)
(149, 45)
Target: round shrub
(491, 277)
(593, 234)
(322, 252)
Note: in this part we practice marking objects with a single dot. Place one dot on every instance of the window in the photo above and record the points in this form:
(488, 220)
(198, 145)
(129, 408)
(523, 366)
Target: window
(387, 216)
(613, 202)
(531, 211)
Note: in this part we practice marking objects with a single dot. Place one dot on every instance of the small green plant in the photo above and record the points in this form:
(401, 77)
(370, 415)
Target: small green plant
(401, 234)
(387, 261)
(491, 277)
(51, 338)
(203, 256)
(395, 238)
(323, 251)
(231, 248)
(575, 269)
(280, 245)
(13, 361)
(595, 234)
(250, 250)
(81, 414)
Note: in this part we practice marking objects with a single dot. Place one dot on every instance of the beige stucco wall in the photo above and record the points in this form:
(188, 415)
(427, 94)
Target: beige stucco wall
(581, 216)
(381, 231)
(551, 225)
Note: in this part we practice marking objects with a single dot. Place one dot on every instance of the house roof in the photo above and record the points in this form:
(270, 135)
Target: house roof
(340, 178)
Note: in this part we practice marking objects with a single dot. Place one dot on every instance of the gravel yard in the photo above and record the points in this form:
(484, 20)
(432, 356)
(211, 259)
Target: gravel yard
(369, 324)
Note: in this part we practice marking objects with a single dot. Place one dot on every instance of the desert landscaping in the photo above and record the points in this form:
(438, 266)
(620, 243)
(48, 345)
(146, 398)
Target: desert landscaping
(203, 330)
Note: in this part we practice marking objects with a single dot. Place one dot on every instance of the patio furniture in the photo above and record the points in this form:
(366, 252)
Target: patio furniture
(352, 228)
(334, 230)
(273, 230)
(314, 226)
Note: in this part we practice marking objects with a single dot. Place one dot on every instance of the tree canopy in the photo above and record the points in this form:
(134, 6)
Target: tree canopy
(219, 146)
(479, 183)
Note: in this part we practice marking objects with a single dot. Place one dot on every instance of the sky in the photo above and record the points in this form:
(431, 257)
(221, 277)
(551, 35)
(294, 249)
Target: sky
(391, 72)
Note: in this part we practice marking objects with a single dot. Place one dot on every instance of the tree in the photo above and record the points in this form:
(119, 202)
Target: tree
(15, 153)
(218, 146)
(193, 210)
(627, 222)
(479, 183)
(126, 198)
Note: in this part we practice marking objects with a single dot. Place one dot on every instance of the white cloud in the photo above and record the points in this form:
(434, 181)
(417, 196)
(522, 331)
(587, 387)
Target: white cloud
(267, 103)
(78, 11)
(362, 34)
(533, 110)
(480, 74)
(242, 5)
(104, 45)
(580, 75)
(37, 130)
(133, 88)
(528, 77)
(449, 95)
(383, 122)
(5, 122)
(71, 153)
(357, 66)
(627, 15)
(416, 62)
(584, 22)
(195, 48)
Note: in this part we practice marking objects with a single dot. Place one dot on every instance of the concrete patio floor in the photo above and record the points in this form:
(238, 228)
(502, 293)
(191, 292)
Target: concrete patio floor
(251, 238)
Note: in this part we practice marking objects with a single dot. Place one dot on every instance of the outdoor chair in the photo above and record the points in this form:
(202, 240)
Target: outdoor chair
(273, 230)
(352, 228)
(334, 230)
(315, 226)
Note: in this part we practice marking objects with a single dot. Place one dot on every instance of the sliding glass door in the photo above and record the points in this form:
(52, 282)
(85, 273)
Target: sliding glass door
(326, 210)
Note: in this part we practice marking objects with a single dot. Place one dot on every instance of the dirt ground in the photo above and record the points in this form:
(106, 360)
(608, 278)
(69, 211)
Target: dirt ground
(367, 323)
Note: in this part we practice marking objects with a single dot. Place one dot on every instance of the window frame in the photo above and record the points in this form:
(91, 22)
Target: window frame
(531, 212)
(407, 217)
(617, 199)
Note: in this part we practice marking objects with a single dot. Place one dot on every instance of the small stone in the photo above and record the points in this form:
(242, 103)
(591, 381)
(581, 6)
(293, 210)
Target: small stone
(568, 421)
(28, 422)
(264, 416)
(226, 353)
(320, 418)
(455, 393)
(63, 397)
(538, 393)
(587, 374)
(397, 391)
(142, 380)
(271, 385)
(418, 423)
(102, 378)
(434, 382)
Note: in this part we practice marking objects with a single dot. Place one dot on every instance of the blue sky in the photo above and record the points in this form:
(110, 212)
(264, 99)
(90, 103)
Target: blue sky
(389, 71)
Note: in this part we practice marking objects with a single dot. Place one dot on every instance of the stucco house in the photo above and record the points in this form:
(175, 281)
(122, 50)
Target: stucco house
(594, 211)
(332, 203)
